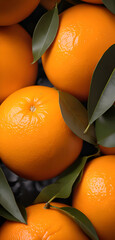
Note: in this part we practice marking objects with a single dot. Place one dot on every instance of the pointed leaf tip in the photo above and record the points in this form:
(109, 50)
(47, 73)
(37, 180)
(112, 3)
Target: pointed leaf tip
(45, 33)
(102, 90)
(7, 200)
(76, 117)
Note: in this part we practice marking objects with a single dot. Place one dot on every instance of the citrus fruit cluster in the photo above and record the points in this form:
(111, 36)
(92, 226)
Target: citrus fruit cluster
(35, 141)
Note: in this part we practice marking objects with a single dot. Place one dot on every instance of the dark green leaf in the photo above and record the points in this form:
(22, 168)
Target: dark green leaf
(102, 90)
(7, 199)
(110, 4)
(105, 128)
(44, 33)
(63, 186)
(5, 214)
(82, 221)
(76, 117)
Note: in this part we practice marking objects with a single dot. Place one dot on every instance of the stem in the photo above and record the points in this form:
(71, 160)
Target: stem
(86, 129)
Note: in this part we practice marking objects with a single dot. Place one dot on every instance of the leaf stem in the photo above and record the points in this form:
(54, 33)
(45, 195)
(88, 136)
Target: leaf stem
(86, 129)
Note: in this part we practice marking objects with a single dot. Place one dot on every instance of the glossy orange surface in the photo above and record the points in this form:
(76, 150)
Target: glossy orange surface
(85, 32)
(95, 195)
(16, 70)
(43, 224)
(39, 144)
(14, 11)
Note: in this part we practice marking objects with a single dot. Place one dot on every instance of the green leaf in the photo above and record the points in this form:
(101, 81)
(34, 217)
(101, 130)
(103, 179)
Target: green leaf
(102, 90)
(105, 128)
(110, 4)
(45, 32)
(7, 199)
(76, 117)
(63, 186)
(82, 221)
(5, 214)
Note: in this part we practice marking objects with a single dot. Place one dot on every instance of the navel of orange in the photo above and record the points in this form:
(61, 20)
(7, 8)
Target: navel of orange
(39, 143)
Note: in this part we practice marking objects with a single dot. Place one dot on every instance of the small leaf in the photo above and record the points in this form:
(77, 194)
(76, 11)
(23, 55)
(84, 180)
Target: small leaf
(82, 221)
(110, 4)
(7, 199)
(45, 32)
(63, 186)
(102, 90)
(76, 117)
(105, 128)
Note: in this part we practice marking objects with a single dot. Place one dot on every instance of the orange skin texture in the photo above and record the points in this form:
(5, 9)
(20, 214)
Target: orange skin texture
(107, 150)
(85, 32)
(93, 1)
(16, 70)
(39, 143)
(49, 4)
(95, 195)
(14, 11)
(46, 224)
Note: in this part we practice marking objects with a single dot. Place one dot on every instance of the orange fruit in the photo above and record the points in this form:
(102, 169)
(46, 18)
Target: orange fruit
(39, 143)
(93, 1)
(95, 195)
(85, 32)
(14, 11)
(107, 150)
(16, 70)
(44, 224)
(49, 4)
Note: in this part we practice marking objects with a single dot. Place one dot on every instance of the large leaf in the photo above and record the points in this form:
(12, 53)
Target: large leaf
(82, 221)
(110, 4)
(7, 199)
(76, 117)
(45, 32)
(5, 214)
(63, 186)
(102, 90)
(105, 128)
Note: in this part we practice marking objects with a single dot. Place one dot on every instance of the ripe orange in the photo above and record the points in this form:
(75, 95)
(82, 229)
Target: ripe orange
(95, 195)
(39, 143)
(14, 11)
(49, 4)
(93, 1)
(107, 150)
(44, 224)
(85, 32)
(16, 70)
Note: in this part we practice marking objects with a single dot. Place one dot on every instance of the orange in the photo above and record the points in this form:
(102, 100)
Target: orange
(95, 195)
(16, 70)
(107, 150)
(14, 11)
(44, 224)
(39, 143)
(93, 1)
(49, 4)
(85, 32)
